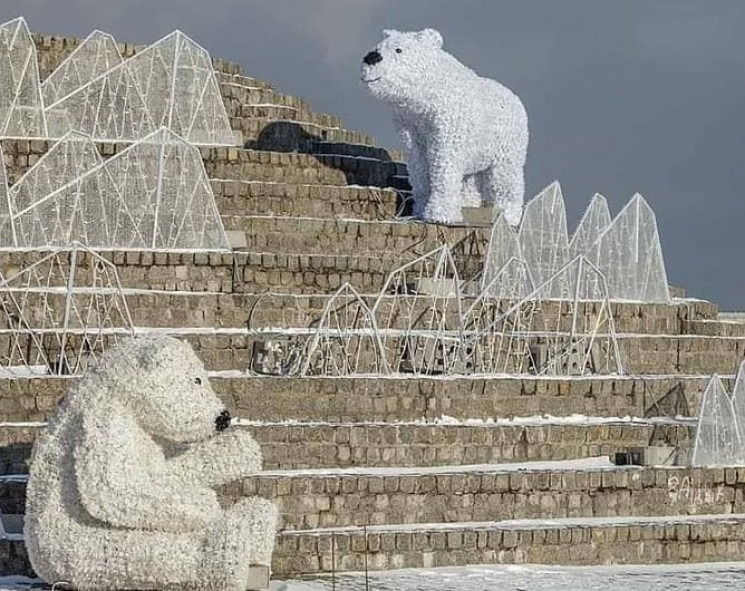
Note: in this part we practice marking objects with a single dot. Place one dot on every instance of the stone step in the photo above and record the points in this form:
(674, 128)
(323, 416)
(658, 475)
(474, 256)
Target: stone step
(297, 445)
(376, 400)
(326, 237)
(575, 541)
(326, 201)
(572, 541)
(240, 164)
(590, 488)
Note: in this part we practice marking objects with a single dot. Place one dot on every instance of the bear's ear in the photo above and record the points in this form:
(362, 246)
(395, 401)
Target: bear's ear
(430, 37)
(391, 32)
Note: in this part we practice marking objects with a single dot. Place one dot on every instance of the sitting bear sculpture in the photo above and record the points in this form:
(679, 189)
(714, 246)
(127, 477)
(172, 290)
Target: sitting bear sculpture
(465, 138)
(120, 492)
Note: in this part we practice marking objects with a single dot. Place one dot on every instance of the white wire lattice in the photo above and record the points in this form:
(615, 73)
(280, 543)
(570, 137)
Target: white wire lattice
(419, 314)
(60, 313)
(718, 439)
(626, 249)
(21, 105)
(155, 194)
(347, 340)
(96, 92)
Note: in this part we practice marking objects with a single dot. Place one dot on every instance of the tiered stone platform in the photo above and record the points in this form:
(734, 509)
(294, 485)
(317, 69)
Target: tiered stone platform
(402, 472)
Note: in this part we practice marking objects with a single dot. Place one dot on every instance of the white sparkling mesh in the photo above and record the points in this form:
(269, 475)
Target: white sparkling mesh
(21, 106)
(718, 441)
(626, 250)
(60, 313)
(155, 194)
(630, 255)
(96, 92)
(543, 237)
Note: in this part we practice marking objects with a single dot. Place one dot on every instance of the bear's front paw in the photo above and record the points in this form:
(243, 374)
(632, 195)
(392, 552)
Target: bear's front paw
(438, 214)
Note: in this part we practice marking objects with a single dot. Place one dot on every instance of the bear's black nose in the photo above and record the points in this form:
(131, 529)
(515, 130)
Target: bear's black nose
(222, 421)
(372, 58)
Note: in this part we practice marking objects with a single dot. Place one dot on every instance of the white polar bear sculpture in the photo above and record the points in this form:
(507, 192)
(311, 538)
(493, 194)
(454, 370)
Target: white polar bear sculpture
(120, 493)
(465, 138)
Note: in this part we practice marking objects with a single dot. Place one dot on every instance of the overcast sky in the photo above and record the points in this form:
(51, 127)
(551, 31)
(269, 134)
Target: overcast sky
(623, 96)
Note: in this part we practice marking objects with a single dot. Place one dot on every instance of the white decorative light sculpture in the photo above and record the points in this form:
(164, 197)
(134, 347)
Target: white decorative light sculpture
(96, 92)
(93, 92)
(593, 223)
(465, 137)
(346, 341)
(718, 439)
(178, 83)
(500, 278)
(60, 314)
(155, 194)
(558, 336)
(419, 313)
(626, 249)
(630, 255)
(21, 105)
(544, 239)
(121, 487)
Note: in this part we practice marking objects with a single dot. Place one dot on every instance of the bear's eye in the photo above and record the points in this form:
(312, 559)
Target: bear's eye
(399, 50)
(198, 381)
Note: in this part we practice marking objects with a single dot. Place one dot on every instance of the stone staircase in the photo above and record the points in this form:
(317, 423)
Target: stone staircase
(401, 472)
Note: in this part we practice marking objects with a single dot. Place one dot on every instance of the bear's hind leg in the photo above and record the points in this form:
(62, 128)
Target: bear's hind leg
(245, 536)
(504, 186)
(471, 194)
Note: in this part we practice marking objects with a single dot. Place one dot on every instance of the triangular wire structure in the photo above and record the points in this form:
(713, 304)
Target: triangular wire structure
(419, 315)
(630, 255)
(594, 222)
(543, 235)
(92, 92)
(21, 105)
(502, 252)
(92, 58)
(51, 203)
(718, 441)
(346, 340)
(162, 180)
(511, 282)
(179, 86)
(60, 313)
(155, 194)
(738, 405)
(563, 335)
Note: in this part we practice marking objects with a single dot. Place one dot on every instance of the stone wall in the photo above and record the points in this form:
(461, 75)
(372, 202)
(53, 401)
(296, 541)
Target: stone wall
(302, 446)
(644, 542)
(494, 494)
(291, 446)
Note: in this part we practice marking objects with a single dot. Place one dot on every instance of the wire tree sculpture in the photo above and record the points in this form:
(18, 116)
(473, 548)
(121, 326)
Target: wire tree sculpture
(21, 105)
(419, 313)
(346, 341)
(60, 312)
(155, 194)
